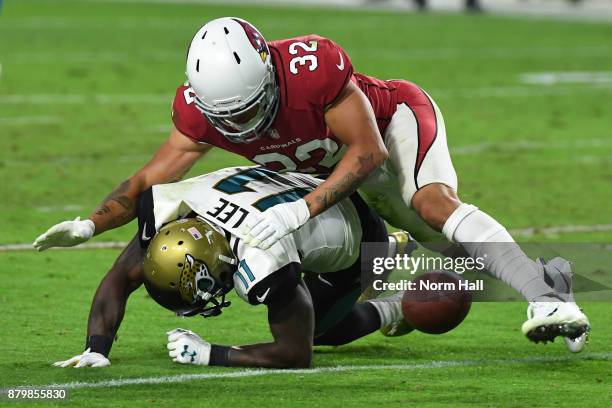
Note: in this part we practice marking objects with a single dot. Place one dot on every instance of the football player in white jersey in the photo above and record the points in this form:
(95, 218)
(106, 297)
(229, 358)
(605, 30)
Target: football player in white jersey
(310, 280)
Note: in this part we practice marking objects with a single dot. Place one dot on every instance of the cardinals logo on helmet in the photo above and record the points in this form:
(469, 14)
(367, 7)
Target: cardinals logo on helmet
(257, 40)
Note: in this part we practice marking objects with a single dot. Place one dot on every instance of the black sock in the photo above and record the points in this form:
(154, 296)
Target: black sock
(361, 321)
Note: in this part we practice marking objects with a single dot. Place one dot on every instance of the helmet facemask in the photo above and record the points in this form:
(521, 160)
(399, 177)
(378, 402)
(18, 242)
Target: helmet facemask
(254, 115)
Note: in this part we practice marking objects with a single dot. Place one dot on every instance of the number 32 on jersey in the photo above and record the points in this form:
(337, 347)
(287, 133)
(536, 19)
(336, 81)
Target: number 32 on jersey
(309, 60)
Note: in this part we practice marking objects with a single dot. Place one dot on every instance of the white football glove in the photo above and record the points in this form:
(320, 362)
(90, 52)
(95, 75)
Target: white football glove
(186, 347)
(66, 234)
(275, 223)
(86, 359)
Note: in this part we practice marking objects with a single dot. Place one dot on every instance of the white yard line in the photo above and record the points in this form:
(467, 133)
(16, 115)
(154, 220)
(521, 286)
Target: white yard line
(181, 378)
(158, 128)
(87, 245)
(489, 53)
(72, 99)
(58, 208)
(517, 91)
(560, 229)
(570, 77)
(531, 145)
(591, 160)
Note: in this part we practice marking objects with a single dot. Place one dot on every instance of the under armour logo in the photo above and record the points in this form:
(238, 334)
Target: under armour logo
(185, 353)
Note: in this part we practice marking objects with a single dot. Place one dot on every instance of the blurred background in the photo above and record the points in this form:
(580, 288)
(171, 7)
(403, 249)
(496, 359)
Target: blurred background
(589, 9)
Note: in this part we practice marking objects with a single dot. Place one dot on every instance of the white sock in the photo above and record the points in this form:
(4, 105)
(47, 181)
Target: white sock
(388, 310)
(481, 235)
(392, 247)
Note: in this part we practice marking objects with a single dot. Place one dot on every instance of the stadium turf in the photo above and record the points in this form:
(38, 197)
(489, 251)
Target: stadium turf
(85, 93)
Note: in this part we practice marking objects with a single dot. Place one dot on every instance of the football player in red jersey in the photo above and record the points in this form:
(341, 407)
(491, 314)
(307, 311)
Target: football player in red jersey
(297, 105)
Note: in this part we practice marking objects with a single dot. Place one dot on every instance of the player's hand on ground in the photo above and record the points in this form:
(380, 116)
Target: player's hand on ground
(85, 359)
(186, 347)
(65, 234)
(275, 223)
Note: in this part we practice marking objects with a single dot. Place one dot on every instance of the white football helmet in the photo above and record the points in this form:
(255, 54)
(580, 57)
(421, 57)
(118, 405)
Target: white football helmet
(230, 70)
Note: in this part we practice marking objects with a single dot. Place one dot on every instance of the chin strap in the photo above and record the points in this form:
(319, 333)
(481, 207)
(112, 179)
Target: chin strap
(215, 309)
(212, 304)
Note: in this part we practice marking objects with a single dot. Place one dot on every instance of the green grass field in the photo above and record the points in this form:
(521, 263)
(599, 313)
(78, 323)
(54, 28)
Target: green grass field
(85, 93)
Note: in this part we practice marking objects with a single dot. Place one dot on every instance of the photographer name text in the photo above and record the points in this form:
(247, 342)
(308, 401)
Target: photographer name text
(425, 285)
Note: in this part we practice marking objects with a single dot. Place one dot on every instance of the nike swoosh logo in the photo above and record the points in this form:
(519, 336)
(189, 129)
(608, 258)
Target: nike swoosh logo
(341, 64)
(144, 233)
(553, 312)
(263, 297)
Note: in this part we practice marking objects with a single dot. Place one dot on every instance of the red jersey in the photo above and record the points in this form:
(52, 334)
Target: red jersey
(311, 71)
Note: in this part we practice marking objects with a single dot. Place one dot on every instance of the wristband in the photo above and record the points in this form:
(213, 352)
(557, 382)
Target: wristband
(219, 355)
(92, 226)
(99, 344)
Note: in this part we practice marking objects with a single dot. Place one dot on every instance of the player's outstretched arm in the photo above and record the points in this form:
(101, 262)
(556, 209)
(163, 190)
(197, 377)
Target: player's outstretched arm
(108, 308)
(291, 324)
(171, 161)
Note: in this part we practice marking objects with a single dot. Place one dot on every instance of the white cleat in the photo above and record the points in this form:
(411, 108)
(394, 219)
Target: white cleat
(558, 273)
(396, 329)
(548, 320)
(576, 345)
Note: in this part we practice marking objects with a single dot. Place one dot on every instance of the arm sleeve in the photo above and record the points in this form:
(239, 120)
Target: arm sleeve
(186, 117)
(146, 217)
(264, 275)
(277, 288)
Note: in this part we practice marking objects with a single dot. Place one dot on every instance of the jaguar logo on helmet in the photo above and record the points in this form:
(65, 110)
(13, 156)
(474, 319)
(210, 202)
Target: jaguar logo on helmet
(195, 280)
(256, 39)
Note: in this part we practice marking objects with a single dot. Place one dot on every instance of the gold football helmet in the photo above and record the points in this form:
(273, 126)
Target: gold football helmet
(189, 267)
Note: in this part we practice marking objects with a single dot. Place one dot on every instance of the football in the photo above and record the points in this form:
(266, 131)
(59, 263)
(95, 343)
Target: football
(438, 302)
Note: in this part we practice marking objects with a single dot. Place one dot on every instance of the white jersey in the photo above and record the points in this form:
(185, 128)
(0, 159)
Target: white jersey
(329, 242)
